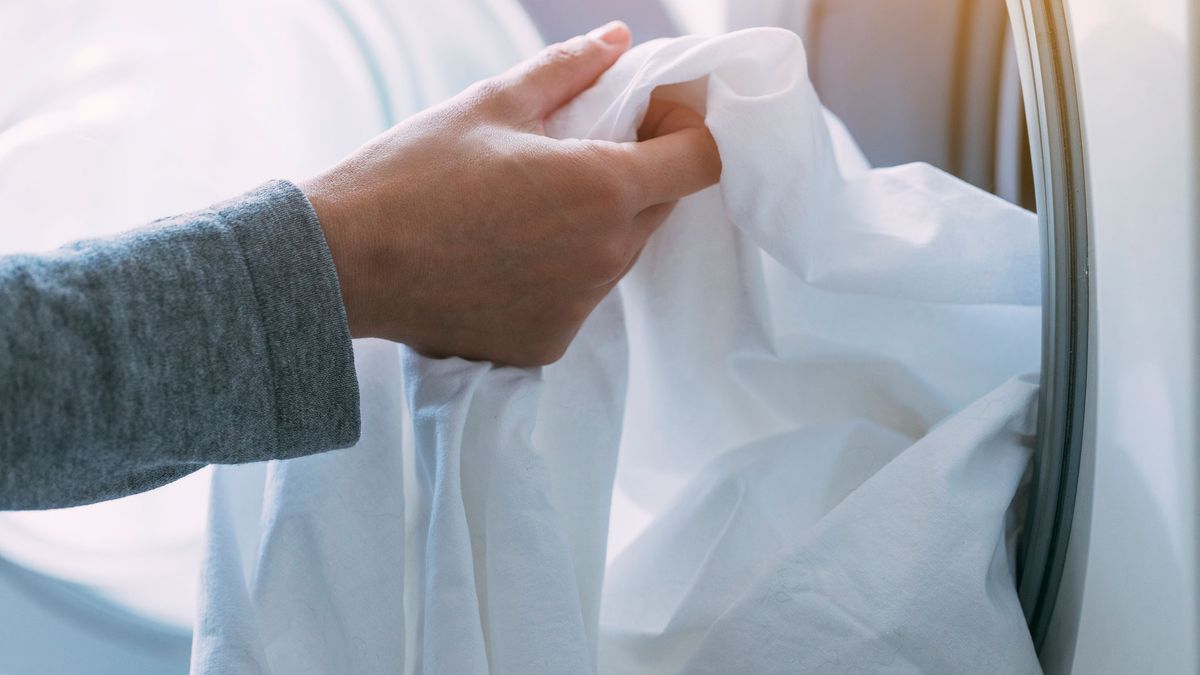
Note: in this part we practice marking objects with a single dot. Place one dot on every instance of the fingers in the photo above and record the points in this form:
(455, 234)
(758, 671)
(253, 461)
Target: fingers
(665, 116)
(560, 72)
(677, 157)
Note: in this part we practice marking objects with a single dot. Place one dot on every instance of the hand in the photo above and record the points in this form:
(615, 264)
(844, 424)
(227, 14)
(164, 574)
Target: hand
(465, 231)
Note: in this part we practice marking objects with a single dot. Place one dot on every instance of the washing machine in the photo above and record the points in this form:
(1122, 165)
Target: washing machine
(1087, 111)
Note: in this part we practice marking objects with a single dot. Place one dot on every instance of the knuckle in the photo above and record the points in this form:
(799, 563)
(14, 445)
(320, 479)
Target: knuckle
(552, 354)
(542, 354)
(591, 173)
(560, 52)
(557, 348)
(609, 188)
(493, 93)
(611, 193)
(619, 187)
(487, 88)
(605, 262)
(595, 168)
(553, 55)
(546, 338)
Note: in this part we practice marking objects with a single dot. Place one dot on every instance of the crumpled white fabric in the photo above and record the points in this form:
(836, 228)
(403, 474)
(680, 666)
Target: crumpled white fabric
(811, 380)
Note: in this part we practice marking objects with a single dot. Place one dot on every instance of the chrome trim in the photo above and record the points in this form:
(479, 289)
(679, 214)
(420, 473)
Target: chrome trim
(1052, 109)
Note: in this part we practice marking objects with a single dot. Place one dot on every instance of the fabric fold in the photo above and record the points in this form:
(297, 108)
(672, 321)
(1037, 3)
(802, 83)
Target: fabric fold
(788, 443)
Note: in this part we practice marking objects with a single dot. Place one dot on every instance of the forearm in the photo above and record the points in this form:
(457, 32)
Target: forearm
(213, 337)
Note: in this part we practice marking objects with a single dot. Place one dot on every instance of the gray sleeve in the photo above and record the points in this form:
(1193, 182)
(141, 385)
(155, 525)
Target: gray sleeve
(213, 337)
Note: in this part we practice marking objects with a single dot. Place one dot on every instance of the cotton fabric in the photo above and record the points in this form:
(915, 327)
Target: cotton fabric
(129, 362)
(790, 442)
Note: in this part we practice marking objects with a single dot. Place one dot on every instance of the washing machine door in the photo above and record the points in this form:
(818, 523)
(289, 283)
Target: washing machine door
(1060, 181)
(1108, 562)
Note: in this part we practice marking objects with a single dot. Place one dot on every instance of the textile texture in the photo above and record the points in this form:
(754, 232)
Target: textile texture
(217, 336)
(790, 442)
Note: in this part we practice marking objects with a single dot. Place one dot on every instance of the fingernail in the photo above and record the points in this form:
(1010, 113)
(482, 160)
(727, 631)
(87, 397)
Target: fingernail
(612, 33)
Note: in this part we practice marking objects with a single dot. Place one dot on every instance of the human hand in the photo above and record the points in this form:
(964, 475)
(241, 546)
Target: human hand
(465, 231)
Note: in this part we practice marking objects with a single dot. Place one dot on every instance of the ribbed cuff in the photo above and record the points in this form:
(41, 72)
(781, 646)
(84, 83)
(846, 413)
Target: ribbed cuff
(311, 358)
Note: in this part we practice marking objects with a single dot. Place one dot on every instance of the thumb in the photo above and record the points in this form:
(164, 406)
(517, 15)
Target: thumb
(561, 71)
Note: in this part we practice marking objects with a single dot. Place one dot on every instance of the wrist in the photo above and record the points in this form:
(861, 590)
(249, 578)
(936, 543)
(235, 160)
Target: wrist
(337, 226)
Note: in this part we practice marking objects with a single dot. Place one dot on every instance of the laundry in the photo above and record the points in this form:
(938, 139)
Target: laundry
(790, 442)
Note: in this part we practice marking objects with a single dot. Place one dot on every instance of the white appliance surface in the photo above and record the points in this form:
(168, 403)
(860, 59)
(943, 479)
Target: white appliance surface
(1129, 602)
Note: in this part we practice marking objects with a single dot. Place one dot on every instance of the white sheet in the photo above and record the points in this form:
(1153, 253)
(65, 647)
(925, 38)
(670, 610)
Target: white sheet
(804, 379)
